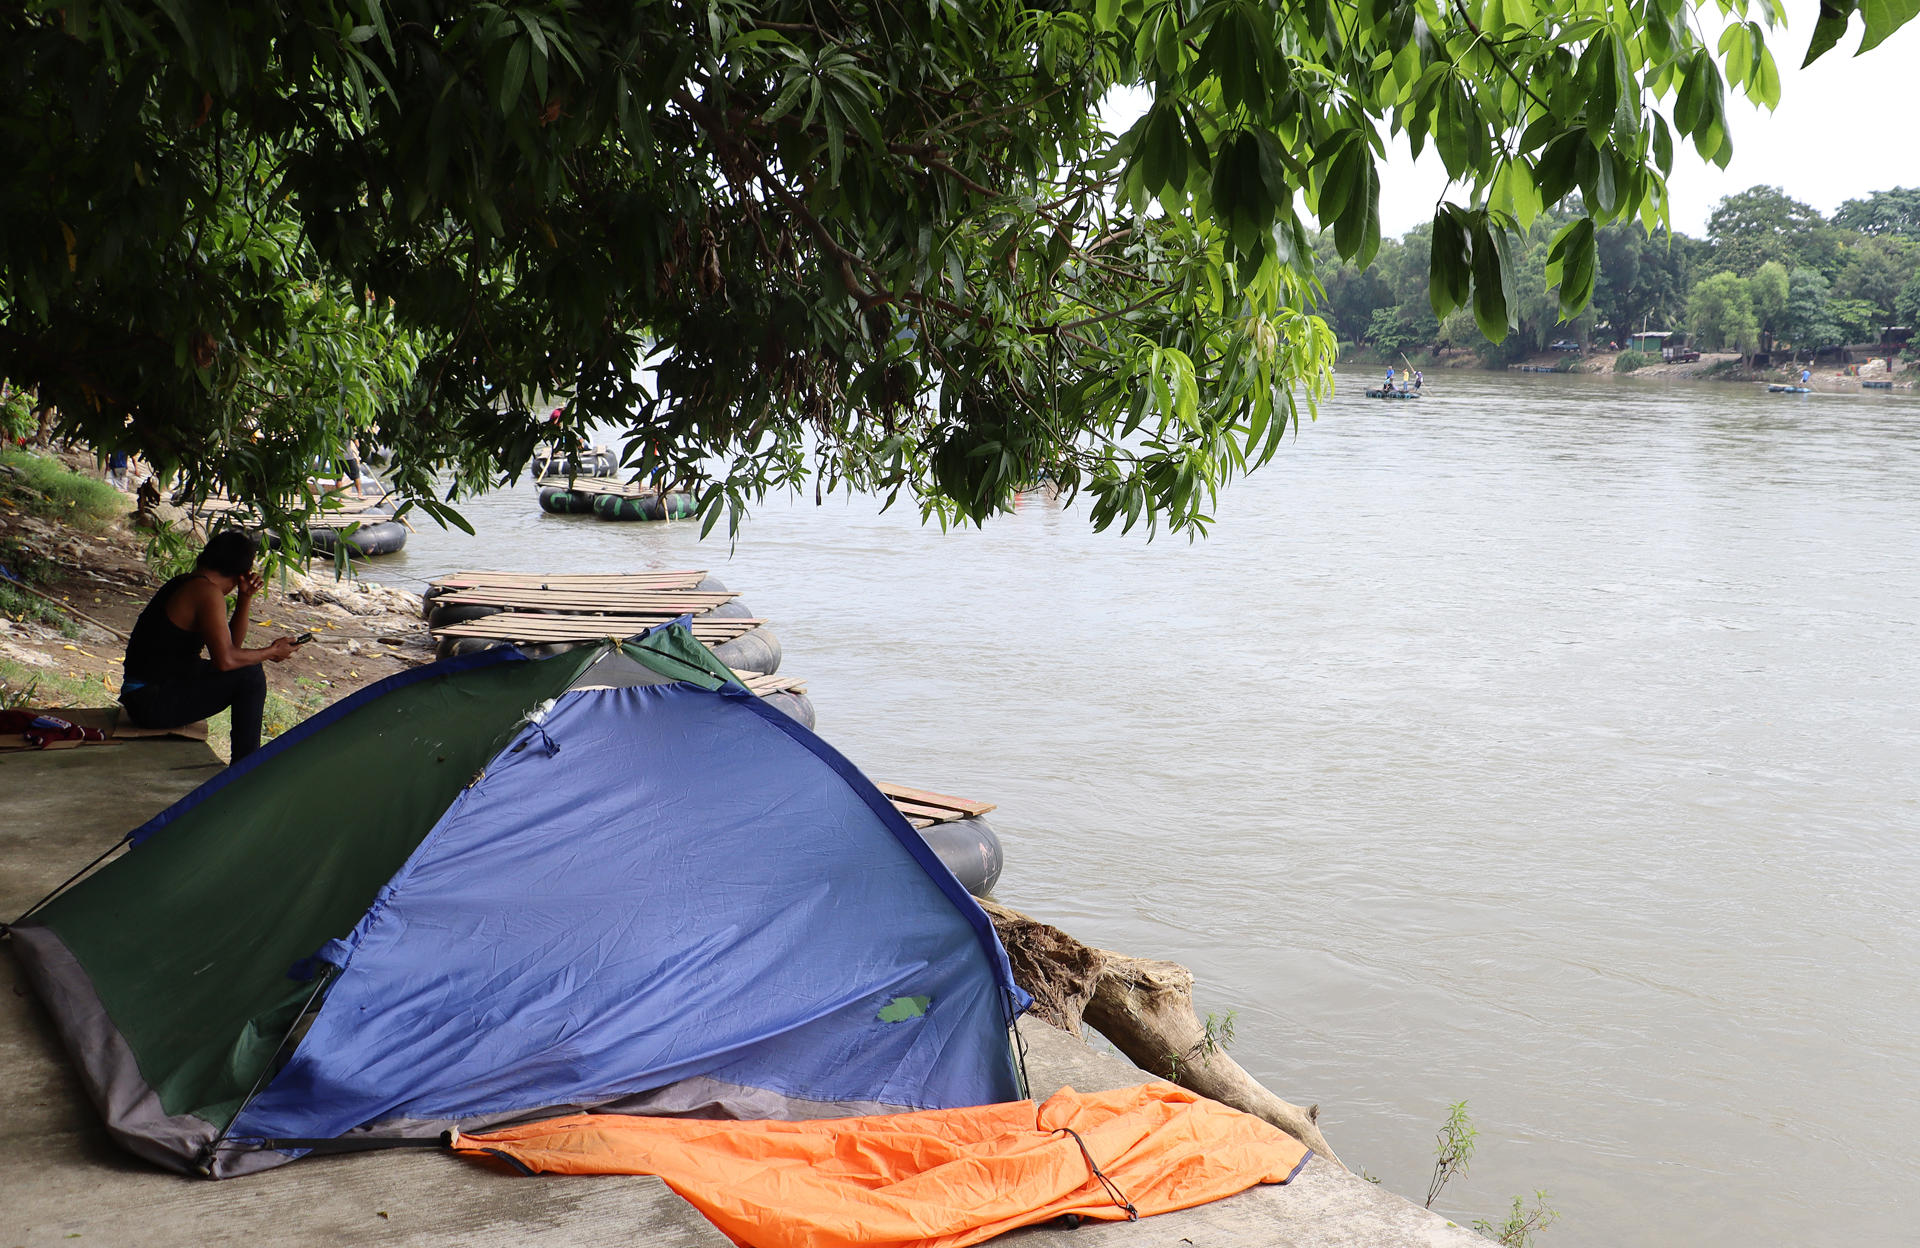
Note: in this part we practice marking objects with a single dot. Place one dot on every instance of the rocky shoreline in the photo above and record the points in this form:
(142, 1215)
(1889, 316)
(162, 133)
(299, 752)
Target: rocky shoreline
(83, 589)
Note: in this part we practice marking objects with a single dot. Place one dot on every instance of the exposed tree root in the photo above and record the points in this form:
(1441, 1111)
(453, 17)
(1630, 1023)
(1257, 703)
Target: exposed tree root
(1146, 1009)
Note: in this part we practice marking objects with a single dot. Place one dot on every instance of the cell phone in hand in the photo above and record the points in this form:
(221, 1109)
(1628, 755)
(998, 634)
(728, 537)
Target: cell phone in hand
(303, 639)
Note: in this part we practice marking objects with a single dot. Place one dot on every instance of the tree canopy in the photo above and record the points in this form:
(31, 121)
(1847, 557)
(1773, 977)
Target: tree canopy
(881, 245)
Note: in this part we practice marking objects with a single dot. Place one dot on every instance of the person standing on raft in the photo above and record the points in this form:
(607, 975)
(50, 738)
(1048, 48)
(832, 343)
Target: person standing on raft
(167, 683)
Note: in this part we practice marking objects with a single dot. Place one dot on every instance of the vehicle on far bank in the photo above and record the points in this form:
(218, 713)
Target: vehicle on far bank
(1681, 355)
(1565, 344)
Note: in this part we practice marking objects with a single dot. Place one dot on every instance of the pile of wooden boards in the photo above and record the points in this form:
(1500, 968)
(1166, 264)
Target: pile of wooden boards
(553, 609)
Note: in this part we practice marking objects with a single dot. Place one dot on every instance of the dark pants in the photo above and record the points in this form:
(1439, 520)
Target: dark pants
(171, 703)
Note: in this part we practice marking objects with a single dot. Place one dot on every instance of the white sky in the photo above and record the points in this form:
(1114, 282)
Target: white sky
(1844, 128)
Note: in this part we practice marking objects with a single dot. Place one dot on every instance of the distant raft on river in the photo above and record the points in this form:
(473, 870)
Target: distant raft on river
(366, 525)
(1377, 392)
(612, 499)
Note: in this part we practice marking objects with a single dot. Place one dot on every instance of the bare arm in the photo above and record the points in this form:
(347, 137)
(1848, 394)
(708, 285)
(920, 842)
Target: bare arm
(237, 626)
(223, 637)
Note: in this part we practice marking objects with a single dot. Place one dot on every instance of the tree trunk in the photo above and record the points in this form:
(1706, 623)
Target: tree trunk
(1146, 1009)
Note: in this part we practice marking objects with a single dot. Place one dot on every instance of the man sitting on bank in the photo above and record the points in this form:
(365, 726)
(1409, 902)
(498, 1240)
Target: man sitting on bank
(167, 682)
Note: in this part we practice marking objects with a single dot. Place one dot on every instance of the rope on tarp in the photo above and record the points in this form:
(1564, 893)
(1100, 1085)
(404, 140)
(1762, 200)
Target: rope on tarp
(1114, 1194)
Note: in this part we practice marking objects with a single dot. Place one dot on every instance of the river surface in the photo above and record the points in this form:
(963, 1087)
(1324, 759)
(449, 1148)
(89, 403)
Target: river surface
(1551, 744)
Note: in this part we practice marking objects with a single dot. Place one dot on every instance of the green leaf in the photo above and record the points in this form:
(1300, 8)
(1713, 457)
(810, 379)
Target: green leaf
(1571, 265)
(1449, 267)
(1356, 232)
(514, 76)
(1558, 169)
(1827, 30)
(1764, 89)
(1882, 18)
(1603, 87)
(1490, 281)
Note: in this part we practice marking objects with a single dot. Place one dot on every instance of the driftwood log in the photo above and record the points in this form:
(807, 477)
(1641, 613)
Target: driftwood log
(1145, 1008)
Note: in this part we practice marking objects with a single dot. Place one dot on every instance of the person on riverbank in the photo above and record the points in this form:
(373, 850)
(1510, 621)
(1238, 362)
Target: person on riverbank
(1806, 376)
(350, 468)
(167, 683)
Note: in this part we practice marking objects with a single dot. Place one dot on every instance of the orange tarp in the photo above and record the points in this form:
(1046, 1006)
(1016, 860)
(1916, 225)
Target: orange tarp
(938, 1179)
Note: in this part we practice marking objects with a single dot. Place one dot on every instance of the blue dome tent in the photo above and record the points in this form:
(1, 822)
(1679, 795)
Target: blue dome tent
(606, 880)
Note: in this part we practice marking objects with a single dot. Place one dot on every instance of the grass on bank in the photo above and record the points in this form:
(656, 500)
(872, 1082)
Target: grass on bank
(43, 486)
(23, 686)
(23, 607)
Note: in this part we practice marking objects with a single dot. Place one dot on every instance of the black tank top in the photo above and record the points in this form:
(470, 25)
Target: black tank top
(159, 649)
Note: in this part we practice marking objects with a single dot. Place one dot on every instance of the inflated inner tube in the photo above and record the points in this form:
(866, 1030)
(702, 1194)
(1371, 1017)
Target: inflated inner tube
(733, 608)
(795, 705)
(675, 506)
(756, 650)
(564, 502)
(373, 537)
(429, 594)
(971, 851)
(458, 613)
(449, 647)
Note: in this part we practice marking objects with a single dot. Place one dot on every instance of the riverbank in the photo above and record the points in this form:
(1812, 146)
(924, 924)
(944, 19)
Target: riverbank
(68, 1180)
(1903, 375)
(78, 575)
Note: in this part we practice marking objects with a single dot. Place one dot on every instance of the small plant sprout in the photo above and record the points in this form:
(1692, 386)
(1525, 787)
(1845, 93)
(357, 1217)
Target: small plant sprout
(1521, 1223)
(1216, 1034)
(1452, 1150)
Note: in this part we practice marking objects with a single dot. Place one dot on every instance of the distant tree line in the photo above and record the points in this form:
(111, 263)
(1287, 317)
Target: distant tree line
(1772, 273)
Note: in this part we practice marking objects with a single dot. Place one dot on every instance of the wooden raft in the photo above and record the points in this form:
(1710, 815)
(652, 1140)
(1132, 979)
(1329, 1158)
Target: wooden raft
(923, 809)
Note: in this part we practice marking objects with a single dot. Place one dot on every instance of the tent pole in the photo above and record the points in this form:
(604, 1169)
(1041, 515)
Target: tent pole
(67, 883)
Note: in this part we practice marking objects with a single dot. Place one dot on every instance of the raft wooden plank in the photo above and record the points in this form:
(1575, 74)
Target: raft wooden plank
(920, 823)
(589, 600)
(939, 814)
(526, 626)
(515, 623)
(590, 619)
(968, 805)
(597, 486)
(332, 521)
(509, 580)
(762, 684)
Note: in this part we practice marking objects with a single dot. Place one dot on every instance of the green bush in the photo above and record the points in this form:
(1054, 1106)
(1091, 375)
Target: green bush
(1627, 361)
(45, 486)
(16, 415)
